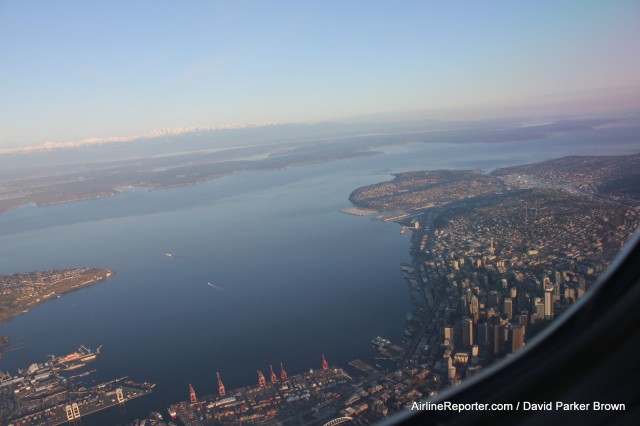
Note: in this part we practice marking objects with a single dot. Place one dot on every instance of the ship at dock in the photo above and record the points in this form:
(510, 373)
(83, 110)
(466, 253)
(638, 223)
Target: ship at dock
(75, 359)
(45, 394)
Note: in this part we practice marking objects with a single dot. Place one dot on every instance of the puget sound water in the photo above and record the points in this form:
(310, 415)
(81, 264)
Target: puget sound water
(293, 277)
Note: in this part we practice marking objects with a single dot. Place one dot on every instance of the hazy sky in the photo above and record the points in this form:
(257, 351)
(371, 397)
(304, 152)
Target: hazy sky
(76, 69)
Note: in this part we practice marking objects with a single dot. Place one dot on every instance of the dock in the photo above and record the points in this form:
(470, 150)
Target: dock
(301, 398)
(363, 366)
(358, 212)
(48, 394)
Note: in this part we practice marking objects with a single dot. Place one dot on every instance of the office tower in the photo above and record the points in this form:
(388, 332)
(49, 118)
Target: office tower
(484, 333)
(539, 307)
(498, 339)
(548, 302)
(507, 308)
(474, 308)
(517, 337)
(448, 333)
(493, 299)
(467, 332)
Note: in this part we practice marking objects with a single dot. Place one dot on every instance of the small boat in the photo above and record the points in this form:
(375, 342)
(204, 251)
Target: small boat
(168, 254)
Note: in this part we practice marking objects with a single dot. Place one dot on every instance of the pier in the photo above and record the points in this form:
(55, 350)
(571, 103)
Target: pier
(46, 393)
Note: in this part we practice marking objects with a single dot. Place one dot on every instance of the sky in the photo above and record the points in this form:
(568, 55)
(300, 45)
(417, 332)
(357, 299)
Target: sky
(71, 70)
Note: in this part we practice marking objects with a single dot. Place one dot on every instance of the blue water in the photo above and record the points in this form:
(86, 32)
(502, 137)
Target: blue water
(295, 277)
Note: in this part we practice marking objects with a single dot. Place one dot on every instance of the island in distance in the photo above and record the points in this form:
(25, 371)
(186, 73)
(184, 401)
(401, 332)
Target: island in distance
(20, 292)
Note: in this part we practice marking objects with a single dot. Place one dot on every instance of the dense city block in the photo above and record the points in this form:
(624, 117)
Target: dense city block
(490, 270)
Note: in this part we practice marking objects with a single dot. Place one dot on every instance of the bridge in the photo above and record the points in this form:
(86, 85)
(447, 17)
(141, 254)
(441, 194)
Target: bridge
(337, 421)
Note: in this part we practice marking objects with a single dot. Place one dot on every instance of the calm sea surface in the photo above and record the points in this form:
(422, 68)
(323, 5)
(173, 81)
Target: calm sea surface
(295, 278)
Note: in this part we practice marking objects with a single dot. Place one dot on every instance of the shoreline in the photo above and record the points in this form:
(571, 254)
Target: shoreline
(27, 290)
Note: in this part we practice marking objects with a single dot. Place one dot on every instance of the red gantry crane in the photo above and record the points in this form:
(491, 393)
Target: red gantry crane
(274, 378)
(325, 364)
(192, 395)
(283, 374)
(261, 381)
(221, 390)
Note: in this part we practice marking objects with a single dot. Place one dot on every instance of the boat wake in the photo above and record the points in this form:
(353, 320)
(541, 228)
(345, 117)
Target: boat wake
(214, 286)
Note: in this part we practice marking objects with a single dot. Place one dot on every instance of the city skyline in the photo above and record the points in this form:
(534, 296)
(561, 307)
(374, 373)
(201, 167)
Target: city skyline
(74, 72)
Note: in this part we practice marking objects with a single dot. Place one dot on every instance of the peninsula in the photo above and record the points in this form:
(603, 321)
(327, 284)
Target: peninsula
(20, 292)
(612, 177)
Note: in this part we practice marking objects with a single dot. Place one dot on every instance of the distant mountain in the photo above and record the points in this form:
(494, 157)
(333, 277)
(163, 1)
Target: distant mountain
(176, 141)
